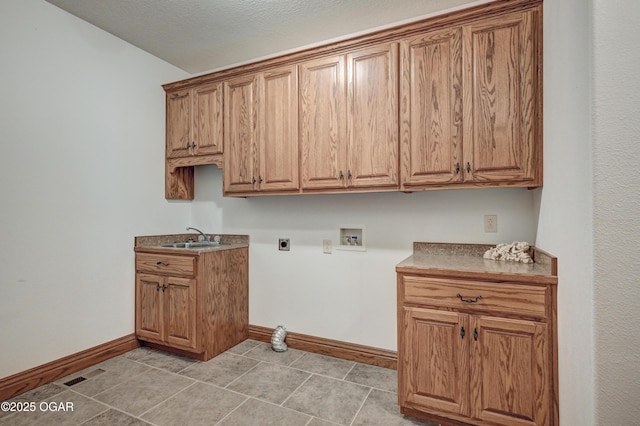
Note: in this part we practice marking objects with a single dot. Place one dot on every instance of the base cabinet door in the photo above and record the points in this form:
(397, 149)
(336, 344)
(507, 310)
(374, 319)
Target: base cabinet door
(509, 372)
(166, 310)
(437, 366)
(180, 312)
(149, 309)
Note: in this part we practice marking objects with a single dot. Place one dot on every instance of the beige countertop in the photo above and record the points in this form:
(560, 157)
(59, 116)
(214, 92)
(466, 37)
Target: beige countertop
(153, 243)
(466, 261)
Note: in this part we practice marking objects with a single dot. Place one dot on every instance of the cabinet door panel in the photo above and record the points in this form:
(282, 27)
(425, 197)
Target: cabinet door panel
(372, 116)
(180, 312)
(438, 360)
(431, 112)
(208, 119)
(509, 372)
(323, 123)
(500, 84)
(279, 130)
(240, 135)
(178, 124)
(149, 310)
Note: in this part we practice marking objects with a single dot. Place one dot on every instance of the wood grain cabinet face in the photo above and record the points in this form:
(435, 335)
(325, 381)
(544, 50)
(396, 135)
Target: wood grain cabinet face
(471, 104)
(194, 121)
(261, 132)
(470, 366)
(435, 365)
(323, 126)
(197, 304)
(502, 132)
(349, 119)
(431, 109)
(372, 118)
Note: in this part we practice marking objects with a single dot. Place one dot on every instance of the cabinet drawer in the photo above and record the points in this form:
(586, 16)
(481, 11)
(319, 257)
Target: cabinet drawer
(498, 298)
(166, 264)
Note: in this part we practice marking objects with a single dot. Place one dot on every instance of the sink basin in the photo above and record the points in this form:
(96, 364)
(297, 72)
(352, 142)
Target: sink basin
(195, 245)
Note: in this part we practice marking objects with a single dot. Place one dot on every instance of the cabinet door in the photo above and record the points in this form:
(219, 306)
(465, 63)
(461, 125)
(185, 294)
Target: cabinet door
(278, 129)
(180, 312)
(208, 119)
(435, 360)
(149, 309)
(431, 108)
(178, 124)
(501, 114)
(510, 372)
(240, 134)
(323, 131)
(372, 116)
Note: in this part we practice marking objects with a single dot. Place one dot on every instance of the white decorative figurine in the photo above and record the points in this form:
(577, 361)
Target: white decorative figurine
(518, 251)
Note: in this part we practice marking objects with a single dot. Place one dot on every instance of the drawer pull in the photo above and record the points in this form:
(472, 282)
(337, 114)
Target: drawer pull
(160, 263)
(468, 300)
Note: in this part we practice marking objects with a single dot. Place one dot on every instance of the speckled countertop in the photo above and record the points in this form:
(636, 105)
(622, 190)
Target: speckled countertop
(153, 243)
(466, 261)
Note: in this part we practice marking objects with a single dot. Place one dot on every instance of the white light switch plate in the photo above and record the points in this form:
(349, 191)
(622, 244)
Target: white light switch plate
(326, 246)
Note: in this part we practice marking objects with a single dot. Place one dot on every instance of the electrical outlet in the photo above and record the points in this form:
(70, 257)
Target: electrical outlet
(326, 246)
(283, 244)
(490, 223)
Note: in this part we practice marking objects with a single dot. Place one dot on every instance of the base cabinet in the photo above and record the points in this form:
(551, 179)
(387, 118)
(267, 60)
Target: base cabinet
(475, 352)
(194, 303)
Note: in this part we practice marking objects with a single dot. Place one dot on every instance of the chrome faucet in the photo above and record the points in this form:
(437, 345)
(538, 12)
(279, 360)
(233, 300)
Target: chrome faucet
(205, 236)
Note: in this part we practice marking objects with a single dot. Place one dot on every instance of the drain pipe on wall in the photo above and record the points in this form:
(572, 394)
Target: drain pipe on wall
(277, 339)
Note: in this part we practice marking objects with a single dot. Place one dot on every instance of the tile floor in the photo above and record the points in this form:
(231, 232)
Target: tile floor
(248, 385)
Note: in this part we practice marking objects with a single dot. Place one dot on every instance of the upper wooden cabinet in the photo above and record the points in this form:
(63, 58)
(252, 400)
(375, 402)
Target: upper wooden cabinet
(323, 123)
(471, 111)
(194, 135)
(261, 137)
(453, 101)
(349, 120)
(431, 113)
(372, 117)
(194, 121)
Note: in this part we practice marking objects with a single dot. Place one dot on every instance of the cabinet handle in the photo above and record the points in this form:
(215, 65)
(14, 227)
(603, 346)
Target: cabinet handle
(341, 175)
(164, 287)
(462, 332)
(475, 333)
(253, 180)
(457, 168)
(193, 145)
(160, 263)
(158, 287)
(468, 167)
(459, 296)
(259, 179)
(349, 174)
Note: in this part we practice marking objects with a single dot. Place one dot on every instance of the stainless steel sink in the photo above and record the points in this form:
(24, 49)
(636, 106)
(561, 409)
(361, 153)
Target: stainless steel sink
(195, 245)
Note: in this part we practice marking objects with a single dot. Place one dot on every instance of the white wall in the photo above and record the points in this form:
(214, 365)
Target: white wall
(82, 172)
(348, 296)
(565, 222)
(616, 193)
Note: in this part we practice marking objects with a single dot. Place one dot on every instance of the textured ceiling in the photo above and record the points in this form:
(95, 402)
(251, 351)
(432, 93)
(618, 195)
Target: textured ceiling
(202, 35)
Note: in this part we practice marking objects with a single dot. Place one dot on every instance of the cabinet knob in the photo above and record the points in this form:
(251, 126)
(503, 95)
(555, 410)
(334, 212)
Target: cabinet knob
(468, 167)
(457, 168)
(475, 334)
(253, 180)
(259, 179)
(349, 174)
(341, 175)
(462, 332)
